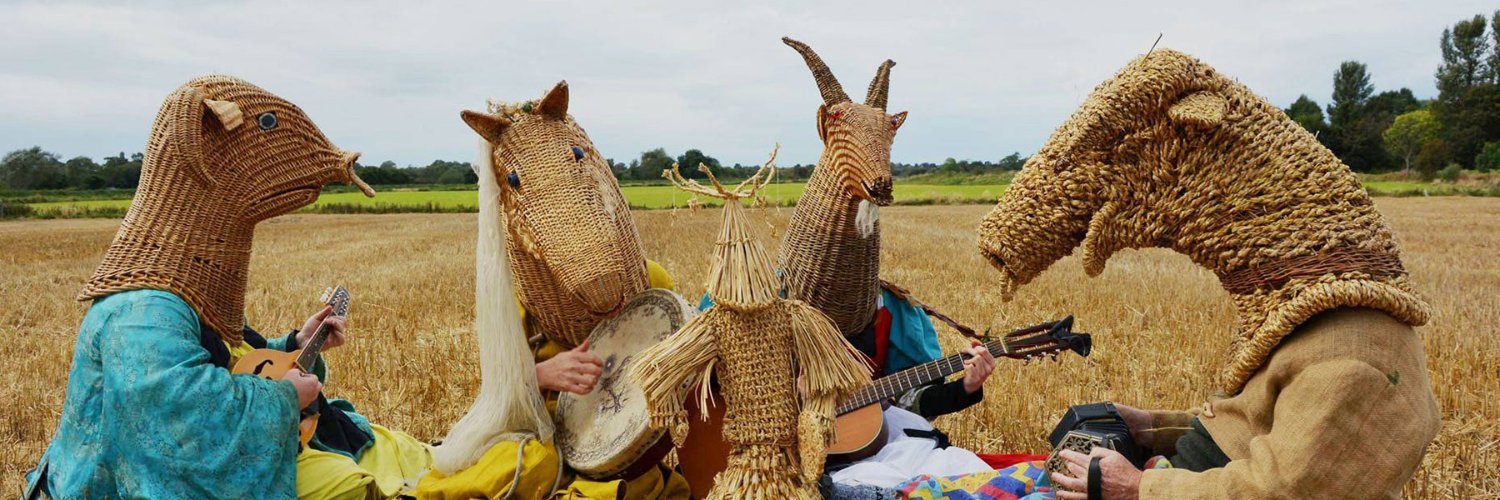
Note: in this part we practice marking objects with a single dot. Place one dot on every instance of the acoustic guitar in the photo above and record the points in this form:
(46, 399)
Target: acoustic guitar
(860, 428)
(273, 364)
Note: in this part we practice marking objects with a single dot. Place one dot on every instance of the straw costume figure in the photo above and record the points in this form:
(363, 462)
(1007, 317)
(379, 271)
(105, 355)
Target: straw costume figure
(830, 258)
(1329, 393)
(152, 410)
(557, 253)
(762, 349)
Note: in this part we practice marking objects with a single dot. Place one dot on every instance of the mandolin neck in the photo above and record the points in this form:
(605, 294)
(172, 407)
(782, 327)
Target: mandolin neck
(340, 302)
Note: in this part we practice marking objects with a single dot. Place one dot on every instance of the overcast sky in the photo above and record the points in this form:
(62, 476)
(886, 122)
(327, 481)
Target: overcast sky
(980, 79)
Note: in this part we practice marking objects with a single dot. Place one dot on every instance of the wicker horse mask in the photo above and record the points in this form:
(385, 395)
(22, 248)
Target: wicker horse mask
(831, 254)
(1171, 154)
(223, 155)
(572, 243)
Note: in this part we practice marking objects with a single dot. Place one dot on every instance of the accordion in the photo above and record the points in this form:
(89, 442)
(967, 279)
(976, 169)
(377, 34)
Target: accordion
(1085, 427)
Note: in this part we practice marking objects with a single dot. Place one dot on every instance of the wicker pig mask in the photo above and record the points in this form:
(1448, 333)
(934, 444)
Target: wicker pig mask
(223, 155)
(1171, 154)
(573, 245)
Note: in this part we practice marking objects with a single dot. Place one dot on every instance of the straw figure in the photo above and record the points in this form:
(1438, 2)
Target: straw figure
(780, 363)
(223, 155)
(555, 234)
(830, 256)
(1327, 384)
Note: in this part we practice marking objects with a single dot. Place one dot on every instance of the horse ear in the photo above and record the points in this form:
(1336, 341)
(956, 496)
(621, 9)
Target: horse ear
(555, 103)
(227, 112)
(1203, 109)
(486, 125)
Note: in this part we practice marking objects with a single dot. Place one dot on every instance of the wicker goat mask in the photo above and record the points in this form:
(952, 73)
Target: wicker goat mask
(573, 245)
(830, 257)
(223, 156)
(1171, 154)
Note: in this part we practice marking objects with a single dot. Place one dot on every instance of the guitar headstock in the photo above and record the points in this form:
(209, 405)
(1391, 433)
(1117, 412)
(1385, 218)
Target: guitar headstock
(1047, 339)
(338, 297)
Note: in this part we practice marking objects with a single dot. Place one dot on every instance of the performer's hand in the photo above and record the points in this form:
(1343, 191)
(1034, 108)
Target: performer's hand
(1139, 422)
(1119, 479)
(307, 386)
(575, 371)
(336, 327)
(978, 367)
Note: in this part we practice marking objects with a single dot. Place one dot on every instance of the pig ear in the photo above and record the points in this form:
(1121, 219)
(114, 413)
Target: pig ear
(488, 126)
(227, 112)
(555, 103)
(1204, 109)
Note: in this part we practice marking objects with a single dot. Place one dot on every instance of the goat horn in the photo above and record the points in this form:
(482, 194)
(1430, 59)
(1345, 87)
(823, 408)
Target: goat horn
(880, 86)
(829, 86)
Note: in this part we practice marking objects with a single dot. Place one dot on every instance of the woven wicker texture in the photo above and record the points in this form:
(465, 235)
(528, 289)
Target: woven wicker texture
(1169, 153)
(573, 245)
(826, 260)
(223, 155)
(761, 348)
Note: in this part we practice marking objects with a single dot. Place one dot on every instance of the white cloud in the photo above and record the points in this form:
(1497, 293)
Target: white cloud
(981, 79)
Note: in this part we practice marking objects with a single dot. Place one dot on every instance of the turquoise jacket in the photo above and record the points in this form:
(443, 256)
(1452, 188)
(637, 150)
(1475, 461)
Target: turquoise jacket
(148, 415)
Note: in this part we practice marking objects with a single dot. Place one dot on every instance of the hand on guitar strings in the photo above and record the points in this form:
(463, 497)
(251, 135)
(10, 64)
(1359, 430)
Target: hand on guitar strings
(324, 316)
(1118, 478)
(575, 370)
(307, 386)
(977, 366)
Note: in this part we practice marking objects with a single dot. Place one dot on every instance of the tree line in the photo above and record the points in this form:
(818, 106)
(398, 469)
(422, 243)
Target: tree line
(1371, 132)
(1393, 130)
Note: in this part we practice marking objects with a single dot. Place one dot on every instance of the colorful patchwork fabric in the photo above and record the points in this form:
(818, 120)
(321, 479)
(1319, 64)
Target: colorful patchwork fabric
(1024, 480)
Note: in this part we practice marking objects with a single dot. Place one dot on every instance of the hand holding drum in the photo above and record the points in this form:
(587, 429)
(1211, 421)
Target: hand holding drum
(575, 371)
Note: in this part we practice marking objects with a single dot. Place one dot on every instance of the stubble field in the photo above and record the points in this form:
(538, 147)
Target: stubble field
(1161, 324)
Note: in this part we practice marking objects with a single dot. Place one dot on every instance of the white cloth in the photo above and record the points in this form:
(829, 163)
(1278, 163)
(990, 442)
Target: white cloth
(905, 457)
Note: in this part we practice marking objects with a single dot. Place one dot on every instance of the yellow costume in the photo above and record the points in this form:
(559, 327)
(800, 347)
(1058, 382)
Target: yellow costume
(495, 474)
(382, 471)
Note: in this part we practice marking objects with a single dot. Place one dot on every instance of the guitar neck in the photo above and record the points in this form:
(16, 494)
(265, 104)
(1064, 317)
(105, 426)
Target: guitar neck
(340, 302)
(898, 383)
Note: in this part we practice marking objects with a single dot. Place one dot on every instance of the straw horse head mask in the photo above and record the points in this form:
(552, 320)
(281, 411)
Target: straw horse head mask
(574, 248)
(1169, 153)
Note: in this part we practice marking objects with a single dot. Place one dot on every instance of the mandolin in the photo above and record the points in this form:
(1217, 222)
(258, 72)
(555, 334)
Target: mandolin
(273, 364)
(860, 428)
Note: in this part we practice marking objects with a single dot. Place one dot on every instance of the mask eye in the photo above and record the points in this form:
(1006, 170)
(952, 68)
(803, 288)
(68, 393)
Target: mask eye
(514, 180)
(577, 153)
(266, 121)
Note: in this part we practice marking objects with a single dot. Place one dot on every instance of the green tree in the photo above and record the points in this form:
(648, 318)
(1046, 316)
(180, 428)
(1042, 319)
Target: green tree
(1489, 157)
(1465, 49)
(1468, 82)
(1434, 155)
(1309, 115)
(1409, 132)
(32, 168)
(690, 159)
(83, 173)
(651, 164)
(1014, 161)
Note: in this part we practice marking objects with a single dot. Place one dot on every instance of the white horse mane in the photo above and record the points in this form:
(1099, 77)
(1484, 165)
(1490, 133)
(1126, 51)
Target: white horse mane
(509, 404)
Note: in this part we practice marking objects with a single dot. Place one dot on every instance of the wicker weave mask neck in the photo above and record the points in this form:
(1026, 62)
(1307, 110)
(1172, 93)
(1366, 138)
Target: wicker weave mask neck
(223, 155)
(1171, 154)
(830, 257)
(574, 248)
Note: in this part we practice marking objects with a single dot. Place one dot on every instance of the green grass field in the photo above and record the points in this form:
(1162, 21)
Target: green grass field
(639, 197)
